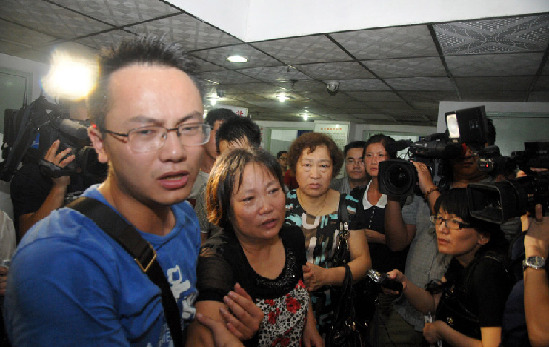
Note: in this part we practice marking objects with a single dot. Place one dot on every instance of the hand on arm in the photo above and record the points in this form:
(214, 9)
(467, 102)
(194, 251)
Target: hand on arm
(374, 236)
(243, 318)
(56, 195)
(222, 336)
(536, 284)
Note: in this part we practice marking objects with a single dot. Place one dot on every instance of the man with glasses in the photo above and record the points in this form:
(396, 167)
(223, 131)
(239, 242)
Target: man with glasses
(71, 283)
(354, 168)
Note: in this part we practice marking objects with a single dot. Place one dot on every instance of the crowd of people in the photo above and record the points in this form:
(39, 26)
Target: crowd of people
(246, 241)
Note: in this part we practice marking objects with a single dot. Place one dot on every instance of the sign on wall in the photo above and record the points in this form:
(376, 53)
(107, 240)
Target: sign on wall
(339, 132)
(241, 111)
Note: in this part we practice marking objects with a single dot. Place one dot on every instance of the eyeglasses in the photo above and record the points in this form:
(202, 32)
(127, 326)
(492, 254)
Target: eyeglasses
(152, 138)
(308, 165)
(451, 223)
(353, 161)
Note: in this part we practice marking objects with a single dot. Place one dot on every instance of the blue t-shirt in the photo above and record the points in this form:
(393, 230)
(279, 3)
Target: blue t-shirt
(70, 284)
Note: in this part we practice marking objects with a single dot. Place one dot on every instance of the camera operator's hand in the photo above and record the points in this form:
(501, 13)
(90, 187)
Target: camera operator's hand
(426, 184)
(536, 241)
(60, 159)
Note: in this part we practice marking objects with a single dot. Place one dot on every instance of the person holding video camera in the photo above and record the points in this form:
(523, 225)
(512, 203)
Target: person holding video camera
(34, 192)
(468, 302)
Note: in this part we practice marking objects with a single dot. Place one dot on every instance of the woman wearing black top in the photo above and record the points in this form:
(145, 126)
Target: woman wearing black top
(469, 302)
(245, 197)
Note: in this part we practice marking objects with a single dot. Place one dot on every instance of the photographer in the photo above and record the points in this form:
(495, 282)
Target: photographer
(409, 225)
(34, 195)
(470, 298)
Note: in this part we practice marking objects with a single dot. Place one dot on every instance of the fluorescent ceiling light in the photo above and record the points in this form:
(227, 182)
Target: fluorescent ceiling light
(237, 59)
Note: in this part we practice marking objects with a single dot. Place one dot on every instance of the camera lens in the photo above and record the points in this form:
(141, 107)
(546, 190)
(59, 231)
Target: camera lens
(397, 177)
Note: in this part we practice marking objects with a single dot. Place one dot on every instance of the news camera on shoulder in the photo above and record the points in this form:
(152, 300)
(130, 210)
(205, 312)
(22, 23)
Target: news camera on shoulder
(467, 128)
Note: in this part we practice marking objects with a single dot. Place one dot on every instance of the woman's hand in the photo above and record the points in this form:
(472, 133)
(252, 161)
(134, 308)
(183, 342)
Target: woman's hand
(222, 336)
(374, 236)
(431, 331)
(244, 318)
(313, 276)
(397, 276)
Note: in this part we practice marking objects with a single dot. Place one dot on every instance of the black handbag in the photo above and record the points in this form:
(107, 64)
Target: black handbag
(342, 255)
(344, 331)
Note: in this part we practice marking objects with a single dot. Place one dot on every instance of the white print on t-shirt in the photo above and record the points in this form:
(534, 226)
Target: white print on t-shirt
(178, 286)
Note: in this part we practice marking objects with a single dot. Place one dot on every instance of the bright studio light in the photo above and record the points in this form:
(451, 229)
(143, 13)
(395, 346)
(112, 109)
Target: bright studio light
(70, 76)
(282, 97)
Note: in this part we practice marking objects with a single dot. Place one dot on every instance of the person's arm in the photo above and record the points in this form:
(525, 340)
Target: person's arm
(439, 330)
(222, 336)
(426, 184)
(316, 276)
(536, 284)
(56, 196)
(201, 335)
(398, 235)
(374, 236)
(311, 337)
(421, 299)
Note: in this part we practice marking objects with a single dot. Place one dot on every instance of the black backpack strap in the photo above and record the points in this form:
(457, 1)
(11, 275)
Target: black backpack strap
(141, 251)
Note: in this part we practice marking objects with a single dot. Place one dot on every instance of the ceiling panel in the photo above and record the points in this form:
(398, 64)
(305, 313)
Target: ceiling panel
(49, 18)
(219, 56)
(413, 67)
(120, 12)
(363, 84)
(335, 71)
(226, 76)
(301, 50)
(421, 83)
(374, 96)
(192, 33)
(500, 35)
(515, 64)
(106, 39)
(274, 74)
(396, 42)
(493, 83)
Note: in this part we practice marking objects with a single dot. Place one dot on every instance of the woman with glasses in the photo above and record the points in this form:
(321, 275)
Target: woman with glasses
(468, 303)
(313, 206)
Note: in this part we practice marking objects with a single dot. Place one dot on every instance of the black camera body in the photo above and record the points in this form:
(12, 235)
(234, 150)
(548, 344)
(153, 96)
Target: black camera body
(465, 127)
(498, 201)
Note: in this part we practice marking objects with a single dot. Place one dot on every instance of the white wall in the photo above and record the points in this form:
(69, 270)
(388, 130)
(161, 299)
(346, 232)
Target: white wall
(38, 70)
(256, 20)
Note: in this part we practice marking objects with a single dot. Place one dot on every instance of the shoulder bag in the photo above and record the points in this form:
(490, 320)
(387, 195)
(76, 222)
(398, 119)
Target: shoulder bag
(140, 250)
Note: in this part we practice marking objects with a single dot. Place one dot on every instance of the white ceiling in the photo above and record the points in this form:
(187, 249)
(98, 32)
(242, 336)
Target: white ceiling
(392, 75)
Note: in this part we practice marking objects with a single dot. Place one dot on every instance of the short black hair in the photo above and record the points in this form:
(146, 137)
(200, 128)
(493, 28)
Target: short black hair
(279, 154)
(354, 144)
(142, 50)
(239, 128)
(218, 114)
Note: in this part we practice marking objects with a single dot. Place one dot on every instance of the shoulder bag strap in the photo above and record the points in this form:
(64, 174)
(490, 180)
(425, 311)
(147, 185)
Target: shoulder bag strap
(141, 251)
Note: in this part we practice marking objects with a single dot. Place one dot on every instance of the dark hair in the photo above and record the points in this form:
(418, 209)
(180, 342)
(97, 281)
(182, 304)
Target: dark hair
(354, 144)
(279, 154)
(226, 173)
(490, 132)
(142, 50)
(385, 140)
(218, 114)
(455, 201)
(310, 141)
(237, 129)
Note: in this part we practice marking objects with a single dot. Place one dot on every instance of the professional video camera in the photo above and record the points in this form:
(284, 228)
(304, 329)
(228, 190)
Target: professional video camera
(468, 126)
(49, 121)
(498, 201)
(72, 134)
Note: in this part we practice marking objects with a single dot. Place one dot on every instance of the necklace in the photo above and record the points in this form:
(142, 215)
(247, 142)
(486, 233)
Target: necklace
(318, 210)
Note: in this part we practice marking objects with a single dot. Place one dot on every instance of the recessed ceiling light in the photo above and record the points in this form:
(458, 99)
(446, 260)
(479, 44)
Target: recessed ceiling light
(282, 97)
(237, 59)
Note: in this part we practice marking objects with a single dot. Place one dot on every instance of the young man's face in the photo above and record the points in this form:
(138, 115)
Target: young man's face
(151, 95)
(354, 164)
